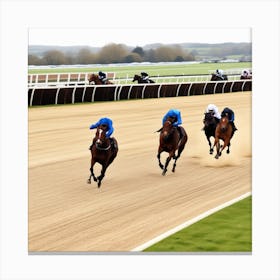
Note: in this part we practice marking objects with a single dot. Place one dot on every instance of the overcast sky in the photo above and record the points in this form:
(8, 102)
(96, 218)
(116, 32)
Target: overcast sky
(135, 37)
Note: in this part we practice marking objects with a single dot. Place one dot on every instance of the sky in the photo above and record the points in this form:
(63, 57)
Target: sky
(135, 36)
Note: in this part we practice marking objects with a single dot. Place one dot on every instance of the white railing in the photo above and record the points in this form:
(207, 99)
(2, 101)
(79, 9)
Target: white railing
(74, 79)
(56, 79)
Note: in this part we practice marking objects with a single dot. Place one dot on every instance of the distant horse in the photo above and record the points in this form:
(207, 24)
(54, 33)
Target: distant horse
(94, 78)
(218, 78)
(224, 131)
(103, 151)
(170, 142)
(210, 123)
(140, 80)
(248, 77)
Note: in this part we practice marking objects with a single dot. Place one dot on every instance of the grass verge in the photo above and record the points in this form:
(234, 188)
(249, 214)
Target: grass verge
(228, 230)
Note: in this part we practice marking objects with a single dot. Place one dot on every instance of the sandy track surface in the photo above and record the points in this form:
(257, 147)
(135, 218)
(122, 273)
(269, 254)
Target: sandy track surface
(135, 202)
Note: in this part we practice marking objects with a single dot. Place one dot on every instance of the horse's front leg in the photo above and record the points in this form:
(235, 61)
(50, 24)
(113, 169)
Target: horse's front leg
(158, 156)
(210, 145)
(217, 144)
(101, 176)
(171, 155)
(228, 151)
(91, 172)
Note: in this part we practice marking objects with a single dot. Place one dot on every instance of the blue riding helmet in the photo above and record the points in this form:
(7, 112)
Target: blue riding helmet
(104, 121)
(173, 113)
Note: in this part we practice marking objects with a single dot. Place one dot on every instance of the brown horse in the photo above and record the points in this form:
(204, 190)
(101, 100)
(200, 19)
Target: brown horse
(224, 131)
(248, 77)
(103, 150)
(94, 78)
(140, 80)
(170, 141)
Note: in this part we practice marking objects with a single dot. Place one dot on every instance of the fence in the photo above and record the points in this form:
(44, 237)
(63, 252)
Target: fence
(65, 79)
(54, 79)
(38, 95)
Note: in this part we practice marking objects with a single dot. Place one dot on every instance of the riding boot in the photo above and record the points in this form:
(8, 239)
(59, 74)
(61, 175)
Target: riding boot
(90, 147)
(233, 126)
(112, 143)
(180, 132)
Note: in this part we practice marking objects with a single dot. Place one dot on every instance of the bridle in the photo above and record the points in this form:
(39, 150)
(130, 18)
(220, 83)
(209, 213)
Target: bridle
(98, 141)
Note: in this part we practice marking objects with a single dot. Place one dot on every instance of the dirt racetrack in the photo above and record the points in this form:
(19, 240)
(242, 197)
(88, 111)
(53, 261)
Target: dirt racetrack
(135, 202)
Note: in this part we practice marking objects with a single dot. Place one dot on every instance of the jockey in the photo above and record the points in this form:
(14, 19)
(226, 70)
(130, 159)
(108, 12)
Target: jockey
(145, 77)
(220, 73)
(212, 108)
(109, 127)
(245, 73)
(102, 77)
(175, 115)
(227, 111)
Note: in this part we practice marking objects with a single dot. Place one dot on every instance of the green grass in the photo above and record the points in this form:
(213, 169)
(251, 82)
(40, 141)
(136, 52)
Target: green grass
(228, 230)
(153, 70)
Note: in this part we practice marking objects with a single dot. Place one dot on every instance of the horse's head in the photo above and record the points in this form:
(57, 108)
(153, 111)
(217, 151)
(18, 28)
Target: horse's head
(167, 129)
(224, 122)
(209, 119)
(93, 78)
(136, 78)
(100, 135)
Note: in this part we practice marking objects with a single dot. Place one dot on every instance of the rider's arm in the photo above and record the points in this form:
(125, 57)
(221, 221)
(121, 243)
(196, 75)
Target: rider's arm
(179, 119)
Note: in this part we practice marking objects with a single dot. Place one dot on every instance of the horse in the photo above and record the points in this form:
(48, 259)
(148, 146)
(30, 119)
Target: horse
(103, 150)
(94, 78)
(210, 123)
(140, 80)
(224, 131)
(170, 142)
(248, 77)
(218, 78)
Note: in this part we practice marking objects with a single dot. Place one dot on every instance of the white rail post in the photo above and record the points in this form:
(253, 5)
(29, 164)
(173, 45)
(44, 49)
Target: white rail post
(31, 97)
(178, 89)
(143, 90)
(56, 95)
(84, 92)
(129, 91)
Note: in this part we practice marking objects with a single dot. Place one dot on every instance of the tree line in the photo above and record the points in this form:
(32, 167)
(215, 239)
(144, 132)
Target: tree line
(113, 53)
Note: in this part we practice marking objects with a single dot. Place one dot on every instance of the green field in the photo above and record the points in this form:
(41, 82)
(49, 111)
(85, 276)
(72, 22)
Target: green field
(228, 230)
(153, 70)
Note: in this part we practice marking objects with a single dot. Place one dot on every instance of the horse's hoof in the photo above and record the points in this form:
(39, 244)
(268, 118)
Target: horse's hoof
(99, 184)
(89, 181)
(227, 152)
(163, 173)
(95, 179)
(216, 157)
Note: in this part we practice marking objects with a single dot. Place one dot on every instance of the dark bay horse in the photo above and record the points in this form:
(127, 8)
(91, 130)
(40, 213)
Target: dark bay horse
(224, 131)
(94, 78)
(170, 142)
(249, 77)
(140, 80)
(217, 78)
(103, 151)
(210, 123)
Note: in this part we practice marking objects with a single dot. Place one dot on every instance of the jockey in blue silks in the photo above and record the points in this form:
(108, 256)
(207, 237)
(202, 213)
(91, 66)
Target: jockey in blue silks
(109, 130)
(175, 115)
(227, 111)
(104, 121)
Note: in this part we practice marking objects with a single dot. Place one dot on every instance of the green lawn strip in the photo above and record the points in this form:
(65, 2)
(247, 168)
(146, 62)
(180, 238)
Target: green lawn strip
(228, 230)
(153, 70)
